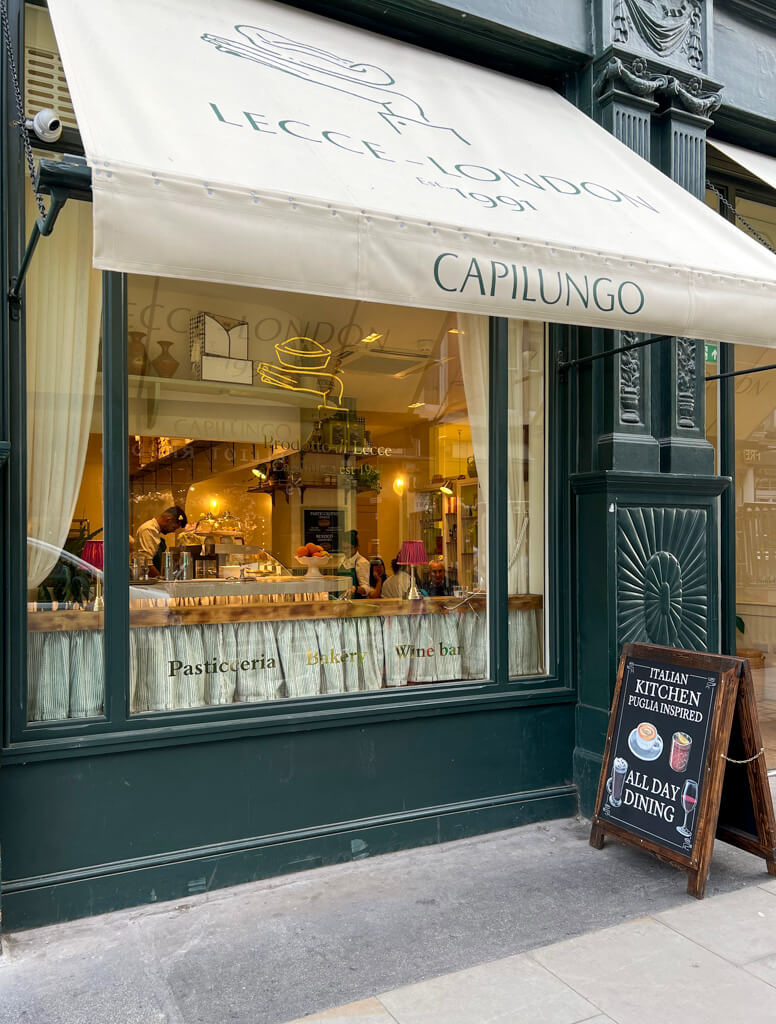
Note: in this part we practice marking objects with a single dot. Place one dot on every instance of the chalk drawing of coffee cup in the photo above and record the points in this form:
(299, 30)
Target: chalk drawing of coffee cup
(645, 742)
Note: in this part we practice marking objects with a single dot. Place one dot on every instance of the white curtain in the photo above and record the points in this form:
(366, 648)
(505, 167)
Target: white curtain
(63, 306)
(526, 457)
(473, 353)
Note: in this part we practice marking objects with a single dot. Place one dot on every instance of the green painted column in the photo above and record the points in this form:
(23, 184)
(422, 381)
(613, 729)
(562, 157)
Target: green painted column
(646, 503)
(679, 144)
(624, 105)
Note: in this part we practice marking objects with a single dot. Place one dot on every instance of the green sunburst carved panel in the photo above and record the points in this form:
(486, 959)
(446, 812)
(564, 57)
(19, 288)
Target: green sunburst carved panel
(662, 576)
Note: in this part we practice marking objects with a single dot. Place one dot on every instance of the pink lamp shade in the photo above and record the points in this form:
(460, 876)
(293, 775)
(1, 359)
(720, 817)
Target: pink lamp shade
(93, 553)
(413, 552)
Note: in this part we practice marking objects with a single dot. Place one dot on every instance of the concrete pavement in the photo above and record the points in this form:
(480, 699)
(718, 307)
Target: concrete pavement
(564, 927)
(712, 962)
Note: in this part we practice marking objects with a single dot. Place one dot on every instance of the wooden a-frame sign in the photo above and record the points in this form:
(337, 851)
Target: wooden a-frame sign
(684, 761)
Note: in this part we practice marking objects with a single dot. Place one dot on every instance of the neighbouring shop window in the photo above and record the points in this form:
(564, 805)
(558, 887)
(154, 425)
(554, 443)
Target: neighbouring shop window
(755, 482)
(307, 481)
(526, 503)
(63, 306)
(755, 500)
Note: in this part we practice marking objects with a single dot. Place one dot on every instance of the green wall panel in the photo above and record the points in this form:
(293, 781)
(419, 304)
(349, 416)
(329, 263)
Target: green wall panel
(68, 824)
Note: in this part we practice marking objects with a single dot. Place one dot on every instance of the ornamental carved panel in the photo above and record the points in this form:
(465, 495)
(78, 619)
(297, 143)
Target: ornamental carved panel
(685, 381)
(662, 576)
(630, 380)
(674, 29)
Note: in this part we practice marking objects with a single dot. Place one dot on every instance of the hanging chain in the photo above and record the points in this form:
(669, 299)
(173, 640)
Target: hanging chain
(746, 760)
(20, 124)
(731, 209)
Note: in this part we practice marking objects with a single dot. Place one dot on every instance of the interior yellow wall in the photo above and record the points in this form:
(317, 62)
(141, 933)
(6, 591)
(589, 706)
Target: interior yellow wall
(450, 451)
(392, 523)
(89, 503)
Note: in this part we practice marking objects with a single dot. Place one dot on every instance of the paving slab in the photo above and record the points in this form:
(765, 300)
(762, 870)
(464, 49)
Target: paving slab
(515, 989)
(645, 970)
(738, 926)
(365, 1011)
(764, 969)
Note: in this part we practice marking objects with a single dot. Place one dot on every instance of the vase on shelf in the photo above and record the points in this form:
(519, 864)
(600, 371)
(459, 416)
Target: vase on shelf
(137, 357)
(165, 364)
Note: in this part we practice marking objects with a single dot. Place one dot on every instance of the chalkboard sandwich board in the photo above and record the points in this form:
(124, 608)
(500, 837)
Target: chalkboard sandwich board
(684, 761)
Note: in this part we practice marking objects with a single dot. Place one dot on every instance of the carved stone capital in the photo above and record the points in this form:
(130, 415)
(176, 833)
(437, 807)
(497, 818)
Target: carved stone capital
(639, 81)
(635, 79)
(693, 98)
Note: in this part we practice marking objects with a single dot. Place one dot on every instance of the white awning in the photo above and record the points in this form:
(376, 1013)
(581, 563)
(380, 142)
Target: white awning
(758, 164)
(251, 143)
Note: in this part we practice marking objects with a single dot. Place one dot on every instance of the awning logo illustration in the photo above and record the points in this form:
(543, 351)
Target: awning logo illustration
(364, 81)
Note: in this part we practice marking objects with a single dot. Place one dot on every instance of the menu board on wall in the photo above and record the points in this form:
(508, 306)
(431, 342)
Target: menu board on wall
(684, 761)
(322, 526)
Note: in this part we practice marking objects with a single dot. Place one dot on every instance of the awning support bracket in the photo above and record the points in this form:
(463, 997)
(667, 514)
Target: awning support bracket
(41, 229)
(69, 178)
(565, 365)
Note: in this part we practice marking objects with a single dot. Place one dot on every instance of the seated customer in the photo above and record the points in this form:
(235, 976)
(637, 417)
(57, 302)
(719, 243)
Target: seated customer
(398, 585)
(437, 580)
(376, 578)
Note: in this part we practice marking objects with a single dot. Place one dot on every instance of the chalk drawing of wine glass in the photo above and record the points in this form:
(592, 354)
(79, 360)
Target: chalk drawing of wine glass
(689, 802)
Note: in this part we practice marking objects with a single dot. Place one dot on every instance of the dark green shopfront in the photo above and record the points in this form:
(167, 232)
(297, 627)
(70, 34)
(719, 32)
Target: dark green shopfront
(288, 463)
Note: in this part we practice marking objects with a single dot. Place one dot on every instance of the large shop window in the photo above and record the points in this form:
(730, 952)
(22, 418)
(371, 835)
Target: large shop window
(308, 484)
(63, 304)
(308, 481)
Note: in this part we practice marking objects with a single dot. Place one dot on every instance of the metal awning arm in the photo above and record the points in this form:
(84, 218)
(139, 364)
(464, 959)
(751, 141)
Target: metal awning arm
(62, 180)
(563, 366)
(740, 373)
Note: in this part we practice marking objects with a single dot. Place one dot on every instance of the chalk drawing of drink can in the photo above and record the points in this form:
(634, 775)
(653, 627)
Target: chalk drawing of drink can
(681, 745)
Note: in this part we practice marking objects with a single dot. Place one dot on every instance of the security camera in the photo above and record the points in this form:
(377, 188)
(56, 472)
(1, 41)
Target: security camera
(46, 125)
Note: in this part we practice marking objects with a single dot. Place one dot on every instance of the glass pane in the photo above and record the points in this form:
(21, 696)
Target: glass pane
(304, 496)
(525, 493)
(63, 307)
(756, 531)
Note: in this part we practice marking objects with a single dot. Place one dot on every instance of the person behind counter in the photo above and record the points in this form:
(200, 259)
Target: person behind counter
(376, 578)
(437, 579)
(355, 565)
(398, 586)
(149, 537)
